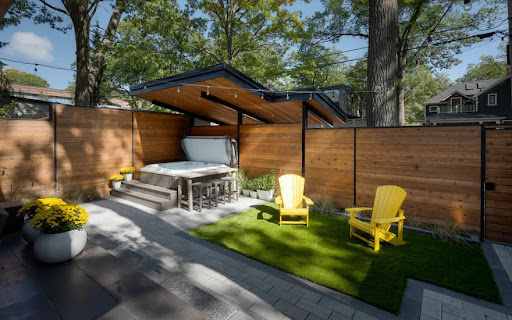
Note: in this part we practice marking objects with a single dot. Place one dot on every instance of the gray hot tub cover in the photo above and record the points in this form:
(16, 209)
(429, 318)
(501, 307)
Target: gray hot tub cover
(218, 149)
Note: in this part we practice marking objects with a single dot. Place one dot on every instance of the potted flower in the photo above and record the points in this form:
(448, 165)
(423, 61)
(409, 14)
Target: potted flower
(242, 181)
(251, 186)
(63, 235)
(116, 180)
(127, 173)
(266, 185)
(28, 211)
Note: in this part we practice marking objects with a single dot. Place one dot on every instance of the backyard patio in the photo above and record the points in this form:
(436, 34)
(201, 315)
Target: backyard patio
(192, 278)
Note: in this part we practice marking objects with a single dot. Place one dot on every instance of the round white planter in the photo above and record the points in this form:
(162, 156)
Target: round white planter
(253, 194)
(265, 194)
(116, 184)
(59, 247)
(29, 234)
(128, 176)
(246, 192)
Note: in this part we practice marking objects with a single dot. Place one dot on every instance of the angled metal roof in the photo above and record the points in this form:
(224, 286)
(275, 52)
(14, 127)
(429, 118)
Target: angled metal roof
(460, 88)
(217, 93)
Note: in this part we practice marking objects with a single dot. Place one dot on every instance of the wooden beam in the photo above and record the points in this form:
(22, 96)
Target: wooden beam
(185, 112)
(320, 115)
(218, 100)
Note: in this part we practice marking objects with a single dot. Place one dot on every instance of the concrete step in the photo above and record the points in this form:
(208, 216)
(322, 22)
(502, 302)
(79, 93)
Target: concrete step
(150, 201)
(150, 189)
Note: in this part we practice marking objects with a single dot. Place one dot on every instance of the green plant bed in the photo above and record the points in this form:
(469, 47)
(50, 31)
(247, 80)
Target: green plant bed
(325, 254)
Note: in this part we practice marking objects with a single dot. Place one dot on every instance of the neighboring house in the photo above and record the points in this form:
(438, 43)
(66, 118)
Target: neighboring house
(342, 96)
(54, 95)
(474, 102)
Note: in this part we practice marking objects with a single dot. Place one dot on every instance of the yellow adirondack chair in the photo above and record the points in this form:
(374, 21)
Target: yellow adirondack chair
(291, 201)
(386, 210)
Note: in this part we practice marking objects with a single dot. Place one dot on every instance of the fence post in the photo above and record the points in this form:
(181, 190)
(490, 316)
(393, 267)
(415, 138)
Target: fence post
(238, 124)
(54, 119)
(482, 182)
(304, 127)
(355, 166)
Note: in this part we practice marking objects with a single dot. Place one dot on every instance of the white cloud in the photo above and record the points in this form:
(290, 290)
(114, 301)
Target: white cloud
(31, 46)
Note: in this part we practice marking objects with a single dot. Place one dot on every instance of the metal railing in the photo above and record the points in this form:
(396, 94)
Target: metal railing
(459, 108)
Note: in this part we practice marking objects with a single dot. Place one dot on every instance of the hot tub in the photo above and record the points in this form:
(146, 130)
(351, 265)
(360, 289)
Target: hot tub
(202, 152)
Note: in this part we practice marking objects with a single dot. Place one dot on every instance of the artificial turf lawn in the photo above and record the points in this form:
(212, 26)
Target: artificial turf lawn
(325, 254)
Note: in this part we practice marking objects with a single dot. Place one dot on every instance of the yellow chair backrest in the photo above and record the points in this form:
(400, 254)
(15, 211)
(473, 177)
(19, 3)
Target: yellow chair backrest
(292, 190)
(388, 200)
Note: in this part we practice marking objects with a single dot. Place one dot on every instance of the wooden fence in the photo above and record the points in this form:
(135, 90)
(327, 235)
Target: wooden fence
(83, 146)
(439, 167)
(443, 169)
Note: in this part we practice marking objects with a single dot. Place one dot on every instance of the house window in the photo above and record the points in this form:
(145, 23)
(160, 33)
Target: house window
(492, 99)
(433, 109)
(456, 101)
(480, 85)
(470, 86)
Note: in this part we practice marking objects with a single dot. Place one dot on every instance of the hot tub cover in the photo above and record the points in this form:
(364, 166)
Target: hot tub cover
(217, 149)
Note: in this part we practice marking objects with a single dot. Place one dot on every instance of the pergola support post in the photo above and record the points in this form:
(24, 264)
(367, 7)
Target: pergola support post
(238, 124)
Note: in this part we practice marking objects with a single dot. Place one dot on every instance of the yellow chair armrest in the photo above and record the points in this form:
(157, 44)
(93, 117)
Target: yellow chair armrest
(308, 201)
(400, 212)
(353, 211)
(279, 201)
(390, 220)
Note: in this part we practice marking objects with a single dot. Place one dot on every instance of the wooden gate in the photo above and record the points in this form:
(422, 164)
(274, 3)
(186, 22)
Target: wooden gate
(498, 183)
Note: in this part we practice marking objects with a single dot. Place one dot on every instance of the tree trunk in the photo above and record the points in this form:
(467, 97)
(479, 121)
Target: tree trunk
(400, 90)
(381, 109)
(84, 80)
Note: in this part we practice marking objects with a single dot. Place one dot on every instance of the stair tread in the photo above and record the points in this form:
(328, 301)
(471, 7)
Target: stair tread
(141, 195)
(138, 184)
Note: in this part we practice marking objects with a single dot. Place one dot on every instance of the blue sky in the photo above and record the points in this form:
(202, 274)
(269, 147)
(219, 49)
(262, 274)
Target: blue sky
(38, 43)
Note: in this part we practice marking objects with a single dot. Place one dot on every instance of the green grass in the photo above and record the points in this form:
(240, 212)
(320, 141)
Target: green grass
(324, 254)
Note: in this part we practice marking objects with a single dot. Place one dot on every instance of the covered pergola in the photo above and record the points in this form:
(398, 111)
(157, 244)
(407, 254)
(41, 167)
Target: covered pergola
(223, 95)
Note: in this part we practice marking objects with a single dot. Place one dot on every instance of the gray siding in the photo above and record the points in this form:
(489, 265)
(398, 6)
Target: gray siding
(503, 107)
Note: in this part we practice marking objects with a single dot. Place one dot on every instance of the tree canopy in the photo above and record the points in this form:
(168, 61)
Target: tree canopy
(489, 67)
(20, 77)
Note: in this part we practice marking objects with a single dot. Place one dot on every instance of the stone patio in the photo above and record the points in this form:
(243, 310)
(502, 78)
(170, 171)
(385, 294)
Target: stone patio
(221, 284)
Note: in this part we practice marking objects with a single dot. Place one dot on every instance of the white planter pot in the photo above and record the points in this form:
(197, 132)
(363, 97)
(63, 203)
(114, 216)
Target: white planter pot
(29, 234)
(59, 247)
(128, 176)
(253, 194)
(266, 195)
(246, 192)
(116, 184)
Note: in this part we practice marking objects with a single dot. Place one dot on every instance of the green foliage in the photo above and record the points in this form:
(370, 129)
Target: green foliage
(242, 178)
(421, 84)
(20, 77)
(6, 110)
(325, 254)
(19, 9)
(489, 67)
(265, 182)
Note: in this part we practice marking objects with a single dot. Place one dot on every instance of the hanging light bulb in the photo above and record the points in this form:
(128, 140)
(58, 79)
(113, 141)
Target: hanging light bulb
(145, 87)
(287, 96)
(178, 89)
(236, 93)
(35, 68)
(261, 94)
(207, 90)
(310, 96)
(467, 5)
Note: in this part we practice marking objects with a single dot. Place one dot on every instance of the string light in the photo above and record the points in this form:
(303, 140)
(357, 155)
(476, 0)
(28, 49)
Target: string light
(178, 90)
(207, 90)
(35, 68)
(310, 96)
(287, 96)
(467, 5)
(261, 94)
(236, 93)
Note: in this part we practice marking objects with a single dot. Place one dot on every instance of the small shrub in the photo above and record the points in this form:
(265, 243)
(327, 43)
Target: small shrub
(127, 170)
(116, 177)
(77, 195)
(324, 204)
(241, 175)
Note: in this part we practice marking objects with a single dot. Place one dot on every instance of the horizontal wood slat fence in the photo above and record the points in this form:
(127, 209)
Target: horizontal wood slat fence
(443, 169)
(82, 147)
(439, 167)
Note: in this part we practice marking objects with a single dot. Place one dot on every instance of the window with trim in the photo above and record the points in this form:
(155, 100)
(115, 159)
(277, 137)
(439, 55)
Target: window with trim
(456, 101)
(433, 109)
(492, 99)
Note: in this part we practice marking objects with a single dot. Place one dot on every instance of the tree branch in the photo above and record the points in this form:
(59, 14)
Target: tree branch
(54, 8)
